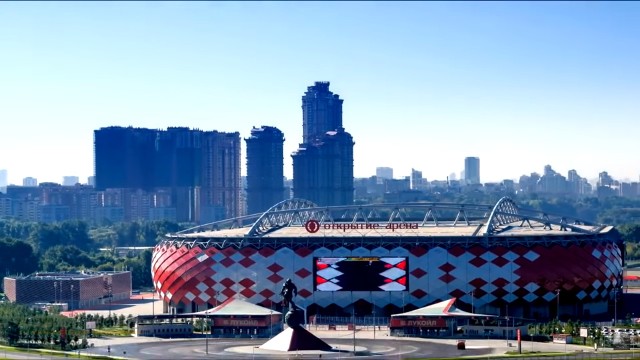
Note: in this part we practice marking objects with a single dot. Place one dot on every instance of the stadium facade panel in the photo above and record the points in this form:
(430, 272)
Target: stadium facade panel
(497, 268)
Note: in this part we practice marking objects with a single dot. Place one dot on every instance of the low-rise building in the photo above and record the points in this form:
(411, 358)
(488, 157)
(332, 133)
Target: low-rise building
(77, 289)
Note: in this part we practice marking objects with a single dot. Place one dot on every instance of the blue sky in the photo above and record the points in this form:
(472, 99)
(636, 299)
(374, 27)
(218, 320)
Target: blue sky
(425, 84)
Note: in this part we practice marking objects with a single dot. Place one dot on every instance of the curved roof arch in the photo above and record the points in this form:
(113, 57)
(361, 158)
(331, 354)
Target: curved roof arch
(505, 213)
(284, 213)
(487, 220)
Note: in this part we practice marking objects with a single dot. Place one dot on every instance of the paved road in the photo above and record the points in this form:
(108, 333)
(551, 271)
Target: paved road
(382, 347)
(367, 347)
(243, 349)
(26, 355)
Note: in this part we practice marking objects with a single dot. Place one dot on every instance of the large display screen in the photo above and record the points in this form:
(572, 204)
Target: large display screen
(360, 273)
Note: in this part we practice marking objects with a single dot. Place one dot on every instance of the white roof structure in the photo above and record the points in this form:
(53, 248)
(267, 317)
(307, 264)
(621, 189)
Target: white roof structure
(300, 218)
(238, 307)
(441, 309)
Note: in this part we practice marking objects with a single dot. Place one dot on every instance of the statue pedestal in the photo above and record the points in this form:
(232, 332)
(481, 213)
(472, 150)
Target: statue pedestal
(298, 338)
(295, 337)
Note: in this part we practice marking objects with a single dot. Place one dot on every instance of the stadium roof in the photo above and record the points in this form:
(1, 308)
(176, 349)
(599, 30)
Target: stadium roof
(297, 218)
(442, 309)
(238, 307)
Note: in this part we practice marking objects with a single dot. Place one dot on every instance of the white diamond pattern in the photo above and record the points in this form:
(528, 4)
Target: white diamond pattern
(531, 256)
(430, 262)
(596, 253)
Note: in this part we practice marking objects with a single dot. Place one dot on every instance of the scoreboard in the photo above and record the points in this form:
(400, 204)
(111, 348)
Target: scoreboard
(360, 274)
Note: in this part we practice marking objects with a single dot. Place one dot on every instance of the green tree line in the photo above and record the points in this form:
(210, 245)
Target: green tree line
(24, 326)
(73, 245)
(29, 327)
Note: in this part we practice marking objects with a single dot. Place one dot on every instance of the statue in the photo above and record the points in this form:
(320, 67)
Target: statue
(295, 315)
(296, 337)
(289, 290)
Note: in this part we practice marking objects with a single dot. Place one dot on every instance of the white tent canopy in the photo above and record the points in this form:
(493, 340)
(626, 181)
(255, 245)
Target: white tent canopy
(238, 307)
(441, 309)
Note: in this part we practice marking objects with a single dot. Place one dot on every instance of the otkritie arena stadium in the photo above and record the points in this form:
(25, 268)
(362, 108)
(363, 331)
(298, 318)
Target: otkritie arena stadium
(383, 258)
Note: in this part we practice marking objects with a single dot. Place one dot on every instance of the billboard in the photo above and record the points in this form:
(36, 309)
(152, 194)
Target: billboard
(369, 273)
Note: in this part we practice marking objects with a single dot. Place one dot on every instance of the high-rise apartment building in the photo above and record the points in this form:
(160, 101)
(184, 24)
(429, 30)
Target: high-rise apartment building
(417, 182)
(124, 157)
(573, 176)
(200, 169)
(384, 173)
(29, 181)
(3, 180)
(472, 171)
(321, 112)
(552, 182)
(70, 180)
(221, 182)
(323, 164)
(323, 172)
(265, 168)
(604, 179)
(576, 184)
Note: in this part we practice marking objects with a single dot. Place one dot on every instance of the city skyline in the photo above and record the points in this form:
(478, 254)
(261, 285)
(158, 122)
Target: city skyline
(519, 85)
(459, 177)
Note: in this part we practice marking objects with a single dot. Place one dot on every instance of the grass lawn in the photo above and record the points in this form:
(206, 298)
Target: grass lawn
(5, 352)
(115, 331)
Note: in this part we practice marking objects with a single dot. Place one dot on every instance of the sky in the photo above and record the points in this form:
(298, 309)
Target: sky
(425, 84)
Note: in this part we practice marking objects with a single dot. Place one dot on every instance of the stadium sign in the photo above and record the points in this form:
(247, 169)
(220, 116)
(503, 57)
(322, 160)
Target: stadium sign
(238, 322)
(429, 323)
(313, 226)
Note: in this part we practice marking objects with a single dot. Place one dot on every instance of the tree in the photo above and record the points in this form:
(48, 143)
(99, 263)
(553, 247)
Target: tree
(64, 258)
(630, 232)
(104, 237)
(12, 333)
(15, 229)
(43, 237)
(16, 257)
(76, 233)
(140, 267)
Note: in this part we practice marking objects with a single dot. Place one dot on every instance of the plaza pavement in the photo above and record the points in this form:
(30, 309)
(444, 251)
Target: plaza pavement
(142, 304)
(147, 304)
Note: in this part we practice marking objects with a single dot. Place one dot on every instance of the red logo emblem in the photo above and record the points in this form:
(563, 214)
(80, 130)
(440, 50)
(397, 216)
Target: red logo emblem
(312, 226)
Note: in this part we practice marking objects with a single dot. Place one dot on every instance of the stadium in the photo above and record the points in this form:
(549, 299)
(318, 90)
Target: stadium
(382, 259)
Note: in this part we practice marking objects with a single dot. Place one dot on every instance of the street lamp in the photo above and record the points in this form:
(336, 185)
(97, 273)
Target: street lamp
(153, 301)
(271, 321)
(153, 311)
(558, 304)
(373, 308)
(206, 336)
(507, 322)
(615, 306)
(354, 329)
(110, 289)
(28, 335)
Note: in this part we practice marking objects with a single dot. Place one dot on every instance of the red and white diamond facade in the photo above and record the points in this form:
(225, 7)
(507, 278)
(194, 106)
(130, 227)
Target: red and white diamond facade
(491, 256)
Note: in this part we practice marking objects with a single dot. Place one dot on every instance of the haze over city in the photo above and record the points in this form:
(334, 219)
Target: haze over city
(425, 84)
